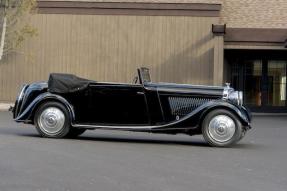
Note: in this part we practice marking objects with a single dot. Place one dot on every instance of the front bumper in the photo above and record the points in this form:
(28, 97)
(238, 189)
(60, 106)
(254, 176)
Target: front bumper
(249, 117)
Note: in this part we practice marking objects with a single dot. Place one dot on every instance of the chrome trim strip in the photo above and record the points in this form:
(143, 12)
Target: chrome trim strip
(19, 99)
(155, 127)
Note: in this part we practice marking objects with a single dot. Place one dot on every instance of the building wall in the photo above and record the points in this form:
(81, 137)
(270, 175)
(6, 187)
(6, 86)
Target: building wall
(235, 13)
(109, 48)
(254, 13)
(150, 1)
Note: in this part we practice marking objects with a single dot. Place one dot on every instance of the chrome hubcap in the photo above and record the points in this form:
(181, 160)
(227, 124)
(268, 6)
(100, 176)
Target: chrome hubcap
(51, 120)
(221, 128)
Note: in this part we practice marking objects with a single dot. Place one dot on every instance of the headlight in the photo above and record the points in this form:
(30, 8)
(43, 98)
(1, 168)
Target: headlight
(236, 97)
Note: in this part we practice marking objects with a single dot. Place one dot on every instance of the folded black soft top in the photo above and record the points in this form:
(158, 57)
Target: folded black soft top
(66, 83)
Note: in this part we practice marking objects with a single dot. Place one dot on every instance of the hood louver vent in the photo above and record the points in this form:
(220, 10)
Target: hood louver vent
(181, 106)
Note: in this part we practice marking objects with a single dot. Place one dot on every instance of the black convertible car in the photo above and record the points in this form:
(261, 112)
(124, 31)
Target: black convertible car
(67, 105)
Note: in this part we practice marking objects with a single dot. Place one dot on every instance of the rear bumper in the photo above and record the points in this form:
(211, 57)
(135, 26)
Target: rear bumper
(11, 108)
(18, 103)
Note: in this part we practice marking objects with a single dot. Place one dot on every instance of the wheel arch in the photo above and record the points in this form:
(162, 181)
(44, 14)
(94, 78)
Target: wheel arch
(28, 114)
(52, 99)
(216, 134)
(229, 107)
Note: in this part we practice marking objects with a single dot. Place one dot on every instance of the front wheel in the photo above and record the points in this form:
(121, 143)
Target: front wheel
(221, 128)
(52, 120)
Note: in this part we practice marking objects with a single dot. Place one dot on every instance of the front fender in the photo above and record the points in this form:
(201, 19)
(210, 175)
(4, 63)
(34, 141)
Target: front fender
(195, 118)
(28, 113)
(241, 112)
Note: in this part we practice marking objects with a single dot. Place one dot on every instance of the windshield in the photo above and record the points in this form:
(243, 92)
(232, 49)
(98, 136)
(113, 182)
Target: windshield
(144, 75)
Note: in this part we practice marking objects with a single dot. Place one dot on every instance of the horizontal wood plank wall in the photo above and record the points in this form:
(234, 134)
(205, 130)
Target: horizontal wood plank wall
(110, 48)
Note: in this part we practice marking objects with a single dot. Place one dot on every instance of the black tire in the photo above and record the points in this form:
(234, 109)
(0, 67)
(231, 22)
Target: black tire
(242, 134)
(42, 124)
(75, 132)
(234, 130)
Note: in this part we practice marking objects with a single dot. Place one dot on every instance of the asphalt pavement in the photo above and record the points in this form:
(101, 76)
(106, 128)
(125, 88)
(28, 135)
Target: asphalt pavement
(126, 161)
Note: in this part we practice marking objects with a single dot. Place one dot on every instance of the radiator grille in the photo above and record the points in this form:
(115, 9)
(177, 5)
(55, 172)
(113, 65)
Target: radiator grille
(181, 106)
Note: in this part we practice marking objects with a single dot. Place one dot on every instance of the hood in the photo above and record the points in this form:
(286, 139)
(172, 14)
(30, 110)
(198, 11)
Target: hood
(187, 88)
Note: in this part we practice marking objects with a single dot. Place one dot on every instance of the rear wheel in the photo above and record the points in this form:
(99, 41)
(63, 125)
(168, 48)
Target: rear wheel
(52, 120)
(221, 128)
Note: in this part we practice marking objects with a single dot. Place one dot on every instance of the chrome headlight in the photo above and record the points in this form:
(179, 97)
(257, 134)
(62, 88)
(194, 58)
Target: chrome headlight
(236, 97)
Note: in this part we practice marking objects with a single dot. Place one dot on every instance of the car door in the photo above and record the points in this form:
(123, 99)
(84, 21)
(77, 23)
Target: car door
(117, 104)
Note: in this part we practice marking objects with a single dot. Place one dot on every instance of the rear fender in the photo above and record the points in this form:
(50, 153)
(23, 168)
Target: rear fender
(28, 114)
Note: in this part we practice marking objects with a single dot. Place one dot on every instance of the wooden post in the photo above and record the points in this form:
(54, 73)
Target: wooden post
(218, 60)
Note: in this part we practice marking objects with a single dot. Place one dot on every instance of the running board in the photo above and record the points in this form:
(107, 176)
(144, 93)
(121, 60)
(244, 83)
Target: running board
(87, 126)
(130, 128)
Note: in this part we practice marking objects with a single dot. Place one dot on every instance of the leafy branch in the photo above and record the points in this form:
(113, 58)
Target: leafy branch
(14, 21)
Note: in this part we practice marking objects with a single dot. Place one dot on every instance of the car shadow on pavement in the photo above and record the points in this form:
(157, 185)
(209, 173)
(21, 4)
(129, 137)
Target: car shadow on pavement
(140, 140)
(145, 141)
(125, 139)
(136, 140)
(133, 139)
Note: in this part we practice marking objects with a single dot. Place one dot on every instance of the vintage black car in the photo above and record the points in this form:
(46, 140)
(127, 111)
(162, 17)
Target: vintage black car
(67, 105)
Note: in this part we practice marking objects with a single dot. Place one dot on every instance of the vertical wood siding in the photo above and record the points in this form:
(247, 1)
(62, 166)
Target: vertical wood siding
(110, 48)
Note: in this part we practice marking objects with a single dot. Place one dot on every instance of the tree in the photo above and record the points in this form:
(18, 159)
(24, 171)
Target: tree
(14, 24)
